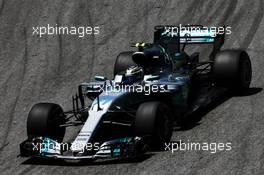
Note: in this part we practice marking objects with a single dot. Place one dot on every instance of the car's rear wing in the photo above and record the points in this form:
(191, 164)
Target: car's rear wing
(191, 34)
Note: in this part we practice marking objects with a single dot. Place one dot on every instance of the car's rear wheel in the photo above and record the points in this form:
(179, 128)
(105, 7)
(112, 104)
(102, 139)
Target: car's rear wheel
(232, 69)
(123, 62)
(154, 119)
(44, 119)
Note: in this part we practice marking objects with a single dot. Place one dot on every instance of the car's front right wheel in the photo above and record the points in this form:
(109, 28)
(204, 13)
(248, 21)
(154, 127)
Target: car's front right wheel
(44, 119)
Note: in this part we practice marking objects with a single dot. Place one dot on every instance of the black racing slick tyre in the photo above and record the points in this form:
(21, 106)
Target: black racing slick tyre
(123, 62)
(44, 119)
(232, 69)
(154, 119)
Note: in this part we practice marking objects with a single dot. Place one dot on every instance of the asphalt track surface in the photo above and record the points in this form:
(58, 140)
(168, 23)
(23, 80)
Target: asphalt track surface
(34, 69)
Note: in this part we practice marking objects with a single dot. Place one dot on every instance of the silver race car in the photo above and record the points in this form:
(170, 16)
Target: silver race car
(153, 87)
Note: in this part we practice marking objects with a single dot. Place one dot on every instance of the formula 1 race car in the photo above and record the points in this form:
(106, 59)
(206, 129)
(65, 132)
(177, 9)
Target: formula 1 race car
(152, 88)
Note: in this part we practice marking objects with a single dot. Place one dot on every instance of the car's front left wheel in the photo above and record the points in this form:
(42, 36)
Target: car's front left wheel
(154, 119)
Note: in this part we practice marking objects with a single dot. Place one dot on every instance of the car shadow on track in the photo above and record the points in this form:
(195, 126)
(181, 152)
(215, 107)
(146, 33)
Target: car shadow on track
(60, 162)
(194, 119)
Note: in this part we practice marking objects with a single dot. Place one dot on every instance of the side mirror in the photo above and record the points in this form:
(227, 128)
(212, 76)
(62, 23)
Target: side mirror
(118, 79)
(100, 78)
(151, 77)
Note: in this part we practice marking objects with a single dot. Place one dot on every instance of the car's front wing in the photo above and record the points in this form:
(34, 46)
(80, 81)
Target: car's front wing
(118, 148)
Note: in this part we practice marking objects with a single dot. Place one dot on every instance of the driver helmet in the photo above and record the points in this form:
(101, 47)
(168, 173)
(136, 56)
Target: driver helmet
(134, 73)
(180, 59)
